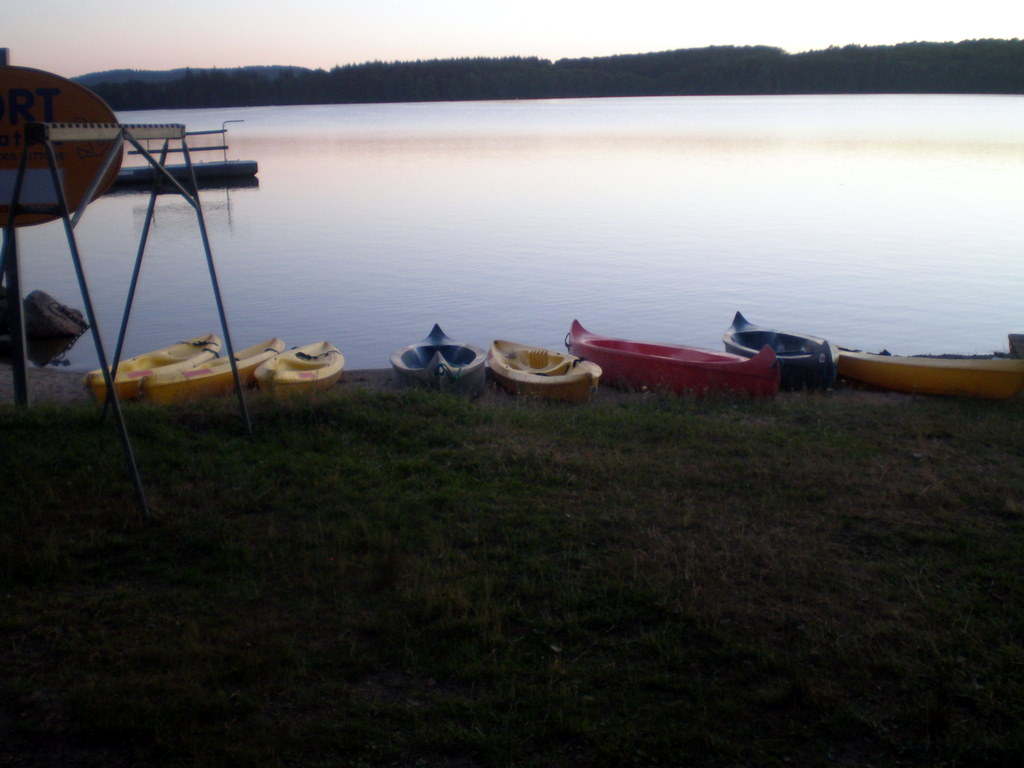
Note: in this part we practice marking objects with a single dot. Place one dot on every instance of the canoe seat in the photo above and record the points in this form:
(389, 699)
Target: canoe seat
(537, 358)
(537, 361)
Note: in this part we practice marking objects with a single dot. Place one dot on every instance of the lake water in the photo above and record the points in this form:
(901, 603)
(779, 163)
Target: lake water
(875, 221)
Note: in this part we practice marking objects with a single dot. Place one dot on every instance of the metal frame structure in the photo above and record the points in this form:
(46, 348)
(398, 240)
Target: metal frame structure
(46, 134)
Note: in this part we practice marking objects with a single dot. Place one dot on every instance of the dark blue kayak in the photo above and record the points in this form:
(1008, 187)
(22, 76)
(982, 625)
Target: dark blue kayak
(441, 363)
(807, 362)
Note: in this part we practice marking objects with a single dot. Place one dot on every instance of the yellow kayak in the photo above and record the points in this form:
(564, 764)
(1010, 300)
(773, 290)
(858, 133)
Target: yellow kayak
(208, 379)
(132, 371)
(314, 366)
(538, 372)
(994, 378)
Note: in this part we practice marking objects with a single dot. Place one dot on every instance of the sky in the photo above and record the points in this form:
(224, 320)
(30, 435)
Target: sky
(76, 37)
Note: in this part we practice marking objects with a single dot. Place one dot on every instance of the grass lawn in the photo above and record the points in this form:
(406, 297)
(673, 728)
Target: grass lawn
(406, 578)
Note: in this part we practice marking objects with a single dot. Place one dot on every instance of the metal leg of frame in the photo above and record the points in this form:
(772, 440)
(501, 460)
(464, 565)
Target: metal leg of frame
(216, 290)
(91, 314)
(136, 271)
(11, 274)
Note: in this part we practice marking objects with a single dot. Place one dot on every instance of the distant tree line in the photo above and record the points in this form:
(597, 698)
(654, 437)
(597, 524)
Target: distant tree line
(974, 66)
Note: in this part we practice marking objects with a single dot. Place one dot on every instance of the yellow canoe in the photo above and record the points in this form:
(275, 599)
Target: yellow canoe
(994, 378)
(542, 373)
(132, 371)
(314, 366)
(212, 378)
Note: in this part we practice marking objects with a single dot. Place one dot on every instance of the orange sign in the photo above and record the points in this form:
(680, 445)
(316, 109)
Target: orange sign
(34, 96)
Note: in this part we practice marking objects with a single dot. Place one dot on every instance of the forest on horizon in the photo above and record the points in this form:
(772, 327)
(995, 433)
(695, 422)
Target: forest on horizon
(971, 66)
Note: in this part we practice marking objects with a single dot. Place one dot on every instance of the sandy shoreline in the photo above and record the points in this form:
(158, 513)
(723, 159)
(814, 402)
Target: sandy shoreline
(53, 385)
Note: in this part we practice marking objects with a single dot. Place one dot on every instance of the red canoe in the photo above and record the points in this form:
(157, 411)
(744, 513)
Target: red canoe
(636, 365)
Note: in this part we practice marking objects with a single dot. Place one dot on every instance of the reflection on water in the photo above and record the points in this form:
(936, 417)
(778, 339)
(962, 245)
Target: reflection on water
(888, 221)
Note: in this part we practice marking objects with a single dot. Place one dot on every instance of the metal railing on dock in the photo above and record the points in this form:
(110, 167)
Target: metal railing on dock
(221, 172)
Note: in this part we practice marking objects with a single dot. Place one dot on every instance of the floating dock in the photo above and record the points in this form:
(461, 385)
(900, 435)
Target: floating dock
(215, 173)
(221, 171)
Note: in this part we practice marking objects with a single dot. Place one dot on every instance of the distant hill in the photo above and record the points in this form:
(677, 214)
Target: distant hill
(970, 66)
(164, 75)
(128, 75)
